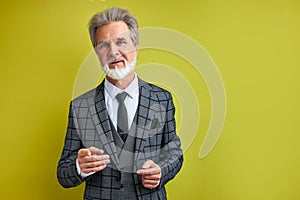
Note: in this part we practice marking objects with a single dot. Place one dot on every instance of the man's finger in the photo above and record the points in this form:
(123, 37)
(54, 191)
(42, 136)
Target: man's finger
(96, 151)
(91, 166)
(150, 186)
(148, 164)
(101, 157)
(94, 169)
(85, 159)
(150, 171)
(84, 152)
(150, 182)
(94, 158)
(152, 177)
(96, 164)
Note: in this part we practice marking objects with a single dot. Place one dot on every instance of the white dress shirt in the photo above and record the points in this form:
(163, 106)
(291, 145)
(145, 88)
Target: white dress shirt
(131, 101)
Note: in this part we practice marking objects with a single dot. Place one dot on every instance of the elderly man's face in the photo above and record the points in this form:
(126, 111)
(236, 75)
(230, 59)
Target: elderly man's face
(114, 44)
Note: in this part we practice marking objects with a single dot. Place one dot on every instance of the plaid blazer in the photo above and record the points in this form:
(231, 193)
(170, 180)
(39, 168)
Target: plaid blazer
(156, 139)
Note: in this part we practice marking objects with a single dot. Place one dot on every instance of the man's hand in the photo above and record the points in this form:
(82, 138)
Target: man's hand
(151, 174)
(92, 160)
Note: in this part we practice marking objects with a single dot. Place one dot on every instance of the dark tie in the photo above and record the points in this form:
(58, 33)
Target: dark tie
(122, 120)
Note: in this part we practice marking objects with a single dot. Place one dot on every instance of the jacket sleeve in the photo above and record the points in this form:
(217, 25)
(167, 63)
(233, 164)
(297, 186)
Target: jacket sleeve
(171, 156)
(67, 174)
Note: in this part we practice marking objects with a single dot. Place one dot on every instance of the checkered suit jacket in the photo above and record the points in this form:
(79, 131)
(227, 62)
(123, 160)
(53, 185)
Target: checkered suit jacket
(156, 139)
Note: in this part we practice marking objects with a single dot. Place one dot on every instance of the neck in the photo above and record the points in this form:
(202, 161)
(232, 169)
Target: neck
(123, 83)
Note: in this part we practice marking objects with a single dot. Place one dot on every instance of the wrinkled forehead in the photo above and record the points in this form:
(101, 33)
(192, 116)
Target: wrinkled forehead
(116, 37)
(112, 31)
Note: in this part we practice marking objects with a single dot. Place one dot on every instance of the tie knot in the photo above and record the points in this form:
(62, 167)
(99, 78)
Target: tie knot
(121, 96)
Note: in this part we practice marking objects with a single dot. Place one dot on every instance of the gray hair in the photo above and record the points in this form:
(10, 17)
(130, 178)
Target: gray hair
(112, 15)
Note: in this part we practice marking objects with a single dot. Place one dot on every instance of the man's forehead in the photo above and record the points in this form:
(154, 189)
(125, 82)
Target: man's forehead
(113, 31)
(120, 36)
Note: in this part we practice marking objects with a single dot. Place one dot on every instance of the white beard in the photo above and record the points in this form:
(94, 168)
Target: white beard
(117, 73)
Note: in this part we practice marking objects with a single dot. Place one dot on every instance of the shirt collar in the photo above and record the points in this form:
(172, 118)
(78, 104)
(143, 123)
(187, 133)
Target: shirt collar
(131, 89)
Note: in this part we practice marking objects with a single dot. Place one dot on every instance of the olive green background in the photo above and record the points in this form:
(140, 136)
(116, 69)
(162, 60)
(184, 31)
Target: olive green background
(255, 45)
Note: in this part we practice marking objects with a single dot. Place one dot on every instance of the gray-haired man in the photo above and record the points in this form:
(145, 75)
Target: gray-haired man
(121, 138)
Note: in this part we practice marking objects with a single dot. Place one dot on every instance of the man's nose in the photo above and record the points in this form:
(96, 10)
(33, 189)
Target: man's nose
(114, 50)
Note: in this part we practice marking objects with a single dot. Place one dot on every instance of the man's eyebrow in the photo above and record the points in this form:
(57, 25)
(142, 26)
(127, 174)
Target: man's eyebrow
(121, 38)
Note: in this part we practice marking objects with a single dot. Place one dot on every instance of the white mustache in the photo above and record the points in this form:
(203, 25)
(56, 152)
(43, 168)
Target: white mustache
(111, 60)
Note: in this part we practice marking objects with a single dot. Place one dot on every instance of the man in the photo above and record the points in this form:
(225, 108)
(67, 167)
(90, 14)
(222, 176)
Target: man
(121, 137)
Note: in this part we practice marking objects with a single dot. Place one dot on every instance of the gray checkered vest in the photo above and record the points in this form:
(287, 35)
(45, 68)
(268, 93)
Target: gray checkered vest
(126, 157)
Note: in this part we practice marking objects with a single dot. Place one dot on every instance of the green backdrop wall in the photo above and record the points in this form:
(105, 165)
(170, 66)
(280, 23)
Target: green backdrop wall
(254, 44)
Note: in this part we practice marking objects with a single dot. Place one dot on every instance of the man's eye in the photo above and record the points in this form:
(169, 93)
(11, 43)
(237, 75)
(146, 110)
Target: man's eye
(102, 45)
(119, 43)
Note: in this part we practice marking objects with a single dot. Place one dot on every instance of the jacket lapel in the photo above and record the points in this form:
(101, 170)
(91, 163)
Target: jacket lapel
(143, 120)
(102, 124)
